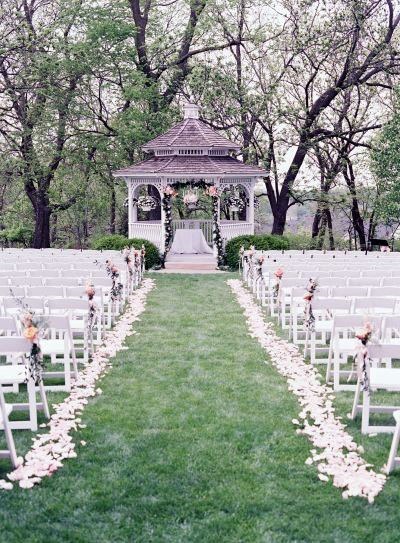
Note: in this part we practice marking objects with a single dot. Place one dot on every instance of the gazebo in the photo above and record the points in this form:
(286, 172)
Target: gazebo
(190, 154)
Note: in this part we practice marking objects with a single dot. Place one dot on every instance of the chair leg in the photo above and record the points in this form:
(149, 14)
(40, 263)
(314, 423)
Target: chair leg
(356, 400)
(32, 405)
(365, 413)
(43, 397)
(391, 463)
(336, 371)
(313, 346)
(10, 442)
(329, 365)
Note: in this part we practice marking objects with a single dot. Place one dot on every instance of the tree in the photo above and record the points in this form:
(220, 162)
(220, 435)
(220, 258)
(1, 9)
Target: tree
(385, 160)
(353, 57)
(40, 73)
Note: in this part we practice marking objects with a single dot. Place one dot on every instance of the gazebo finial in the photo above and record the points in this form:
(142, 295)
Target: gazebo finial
(191, 111)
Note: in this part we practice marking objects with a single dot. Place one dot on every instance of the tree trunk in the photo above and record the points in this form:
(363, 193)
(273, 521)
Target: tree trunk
(322, 231)
(54, 229)
(316, 223)
(330, 229)
(41, 238)
(357, 220)
(112, 210)
(278, 226)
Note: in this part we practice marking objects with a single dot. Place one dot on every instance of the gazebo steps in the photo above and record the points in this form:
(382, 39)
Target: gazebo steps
(192, 262)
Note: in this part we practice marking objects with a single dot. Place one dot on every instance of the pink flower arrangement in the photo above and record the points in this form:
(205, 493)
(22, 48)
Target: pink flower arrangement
(364, 335)
(212, 191)
(279, 273)
(170, 191)
(90, 290)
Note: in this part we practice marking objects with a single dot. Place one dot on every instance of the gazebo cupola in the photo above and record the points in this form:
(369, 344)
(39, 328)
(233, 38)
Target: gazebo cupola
(192, 138)
(190, 151)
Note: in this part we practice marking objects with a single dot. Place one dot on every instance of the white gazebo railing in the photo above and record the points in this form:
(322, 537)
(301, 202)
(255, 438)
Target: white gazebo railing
(231, 229)
(152, 231)
(206, 225)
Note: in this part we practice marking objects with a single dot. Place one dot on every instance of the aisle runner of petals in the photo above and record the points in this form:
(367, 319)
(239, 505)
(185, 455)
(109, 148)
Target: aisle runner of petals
(338, 454)
(51, 448)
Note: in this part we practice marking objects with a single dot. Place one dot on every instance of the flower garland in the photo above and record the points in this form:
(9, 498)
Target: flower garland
(259, 267)
(35, 327)
(169, 194)
(339, 456)
(128, 260)
(116, 285)
(50, 449)
(309, 318)
(93, 310)
(213, 192)
(250, 265)
(360, 359)
(278, 274)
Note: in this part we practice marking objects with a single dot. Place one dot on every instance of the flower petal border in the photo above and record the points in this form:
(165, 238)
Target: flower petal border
(52, 447)
(338, 455)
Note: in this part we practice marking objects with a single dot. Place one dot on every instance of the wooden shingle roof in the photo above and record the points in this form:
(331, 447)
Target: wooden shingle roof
(190, 133)
(188, 165)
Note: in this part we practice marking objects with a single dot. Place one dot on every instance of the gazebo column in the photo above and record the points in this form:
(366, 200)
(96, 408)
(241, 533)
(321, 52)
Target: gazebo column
(250, 208)
(132, 210)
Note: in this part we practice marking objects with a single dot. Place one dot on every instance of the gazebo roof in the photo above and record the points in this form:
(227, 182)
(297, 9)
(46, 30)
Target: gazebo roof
(195, 166)
(190, 132)
(191, 149)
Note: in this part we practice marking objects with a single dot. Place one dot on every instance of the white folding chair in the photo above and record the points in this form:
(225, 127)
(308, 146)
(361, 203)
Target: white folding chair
(12, 306)
(59, 342)
(374, 305)
(390, 282)
(344, 344)
(45, 292)
(26, 281)
(394, 460)
(324, 310)
(391, 329)
(100, 324)
(5, 410)
(379, 378)
(64, 281)
(77, 311)
(349, 292)
(364, 281)
(17, 374)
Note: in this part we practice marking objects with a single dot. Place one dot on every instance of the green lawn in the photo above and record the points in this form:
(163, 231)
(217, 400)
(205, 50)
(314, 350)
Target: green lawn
(192, 441)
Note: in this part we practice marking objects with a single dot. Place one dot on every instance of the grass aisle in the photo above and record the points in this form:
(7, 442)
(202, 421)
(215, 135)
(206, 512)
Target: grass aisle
(192, 441)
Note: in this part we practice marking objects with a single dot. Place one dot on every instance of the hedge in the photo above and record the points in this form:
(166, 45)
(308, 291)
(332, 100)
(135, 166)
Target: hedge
(118, 242)
(264, 242)
(17, 235)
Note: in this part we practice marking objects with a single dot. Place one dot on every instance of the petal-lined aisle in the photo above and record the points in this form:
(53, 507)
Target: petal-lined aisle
(51, 448)
(338, 455)
(191, 440)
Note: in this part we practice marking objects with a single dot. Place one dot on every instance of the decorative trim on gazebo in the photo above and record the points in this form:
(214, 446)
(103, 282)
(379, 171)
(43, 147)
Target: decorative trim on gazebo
(189, 152)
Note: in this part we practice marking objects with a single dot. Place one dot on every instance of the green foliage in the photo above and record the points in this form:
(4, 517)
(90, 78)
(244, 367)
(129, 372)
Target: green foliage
(118, 242)
(264, 242)
(386, 166)
(17, 235)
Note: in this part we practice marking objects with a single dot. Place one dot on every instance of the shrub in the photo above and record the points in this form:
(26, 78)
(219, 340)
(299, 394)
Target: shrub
(118, 242)
(110, 243)
(17, 235)
(264, 242)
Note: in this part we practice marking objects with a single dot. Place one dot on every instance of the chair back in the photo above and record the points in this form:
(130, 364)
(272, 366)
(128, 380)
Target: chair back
(10, 345)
